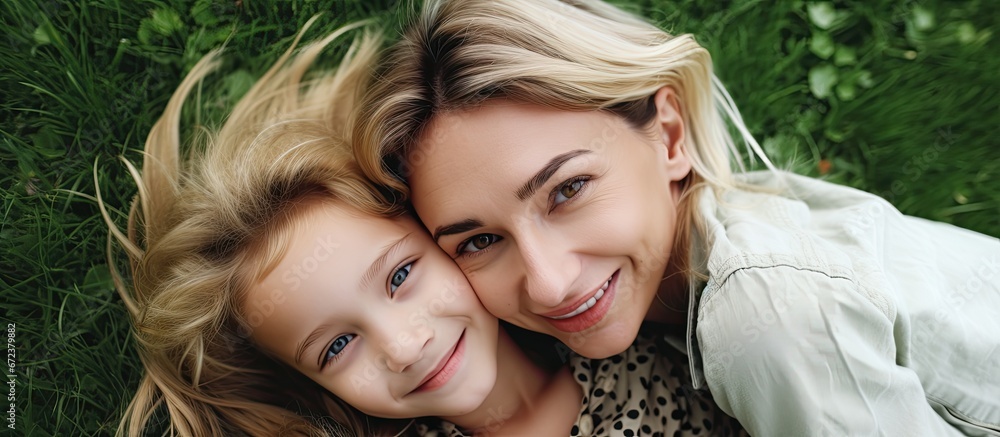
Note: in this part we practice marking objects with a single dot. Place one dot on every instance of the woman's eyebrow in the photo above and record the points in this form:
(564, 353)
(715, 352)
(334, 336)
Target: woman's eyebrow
(523, 193)
(543, 175)
(457, 228)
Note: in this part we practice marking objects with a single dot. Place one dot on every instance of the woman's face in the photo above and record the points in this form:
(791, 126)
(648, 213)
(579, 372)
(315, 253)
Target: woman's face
(562, 221)
(373, 311)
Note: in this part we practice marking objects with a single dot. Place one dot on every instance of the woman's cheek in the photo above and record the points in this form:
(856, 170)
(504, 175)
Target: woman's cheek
(495, 295)
(614, 228)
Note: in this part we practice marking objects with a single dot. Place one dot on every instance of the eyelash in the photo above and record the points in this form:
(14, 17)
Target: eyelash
(401, 268)
(336, 357)
(558, 188)
(326, 359)
(468, 255)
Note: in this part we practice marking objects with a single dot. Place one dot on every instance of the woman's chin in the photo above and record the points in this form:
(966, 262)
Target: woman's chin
(602, 342)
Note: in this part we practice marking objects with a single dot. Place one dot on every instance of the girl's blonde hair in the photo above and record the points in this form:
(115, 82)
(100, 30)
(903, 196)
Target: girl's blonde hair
(576, 55)
(203, 231)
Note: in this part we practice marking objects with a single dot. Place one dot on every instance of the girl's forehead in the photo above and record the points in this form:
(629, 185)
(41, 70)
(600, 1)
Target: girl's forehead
(341, 218)
(331, 250)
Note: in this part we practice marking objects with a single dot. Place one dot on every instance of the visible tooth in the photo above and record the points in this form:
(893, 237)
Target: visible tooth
(588, 304)
(578, 310)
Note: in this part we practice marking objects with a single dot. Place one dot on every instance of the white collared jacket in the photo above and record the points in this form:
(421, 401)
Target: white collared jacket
(828, 313)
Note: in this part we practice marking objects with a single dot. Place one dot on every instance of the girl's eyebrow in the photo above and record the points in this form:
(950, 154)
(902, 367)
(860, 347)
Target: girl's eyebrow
(379, 262)
(308, 342)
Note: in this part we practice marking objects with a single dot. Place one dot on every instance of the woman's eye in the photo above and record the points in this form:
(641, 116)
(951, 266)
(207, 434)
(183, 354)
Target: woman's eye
(477, 243)
(567, 190)
(336, 347)
(399, 276)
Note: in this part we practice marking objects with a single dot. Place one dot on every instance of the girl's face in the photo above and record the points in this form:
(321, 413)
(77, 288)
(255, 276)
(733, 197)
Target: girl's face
(562, 221)
(373, 311)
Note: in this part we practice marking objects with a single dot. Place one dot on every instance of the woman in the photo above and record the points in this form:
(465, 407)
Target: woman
(573, 161)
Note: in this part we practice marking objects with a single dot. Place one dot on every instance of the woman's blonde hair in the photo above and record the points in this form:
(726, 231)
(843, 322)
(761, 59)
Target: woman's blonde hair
(203, 231)
(576, 55)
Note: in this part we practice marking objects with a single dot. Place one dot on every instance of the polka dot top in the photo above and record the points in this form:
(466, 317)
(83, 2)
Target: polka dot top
(644, 391)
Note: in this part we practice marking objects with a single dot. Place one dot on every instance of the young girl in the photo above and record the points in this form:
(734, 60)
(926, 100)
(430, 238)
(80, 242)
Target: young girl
(554, 146)
(275, 292)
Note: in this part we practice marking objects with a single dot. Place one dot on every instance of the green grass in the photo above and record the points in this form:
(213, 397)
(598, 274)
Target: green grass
(896, 97)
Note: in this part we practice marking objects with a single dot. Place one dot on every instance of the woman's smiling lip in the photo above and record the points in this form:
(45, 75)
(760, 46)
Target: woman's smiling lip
(445, 369)
(562, 312)
(586, 317)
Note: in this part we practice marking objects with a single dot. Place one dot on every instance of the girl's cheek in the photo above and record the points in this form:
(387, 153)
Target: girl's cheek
(419, 319)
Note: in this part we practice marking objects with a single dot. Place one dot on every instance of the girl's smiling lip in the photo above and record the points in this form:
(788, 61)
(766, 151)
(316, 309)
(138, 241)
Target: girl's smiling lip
(445, 369)
(588, 311)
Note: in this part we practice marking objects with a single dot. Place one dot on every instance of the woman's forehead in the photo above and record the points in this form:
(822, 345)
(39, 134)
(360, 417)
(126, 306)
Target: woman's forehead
(496, 134)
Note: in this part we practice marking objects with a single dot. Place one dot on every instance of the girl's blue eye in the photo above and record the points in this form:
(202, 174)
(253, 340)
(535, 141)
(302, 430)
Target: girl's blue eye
(336, 347)
(478, 242)
(567, 190)
(399, 276)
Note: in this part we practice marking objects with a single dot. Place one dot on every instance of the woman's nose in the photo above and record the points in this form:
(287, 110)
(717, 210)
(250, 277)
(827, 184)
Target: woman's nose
(404, 345)
(549, 270)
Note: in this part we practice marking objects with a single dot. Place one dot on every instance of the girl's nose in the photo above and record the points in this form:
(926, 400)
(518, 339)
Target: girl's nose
(405, 346)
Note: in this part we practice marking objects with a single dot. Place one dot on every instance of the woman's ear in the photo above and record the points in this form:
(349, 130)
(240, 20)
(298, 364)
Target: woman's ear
(669, 128)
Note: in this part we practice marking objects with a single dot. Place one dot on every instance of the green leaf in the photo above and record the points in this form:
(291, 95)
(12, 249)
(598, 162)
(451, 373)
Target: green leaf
(203, 14)
(98, 277)
(809, 120)
(923, 19)
(166, 21)
(844, 56)
(821, 44)
(835, 135)
(966, 32)
(822, 78)
(144, 34)
(822, 14)
(865, 79)
(845, 91)
(163, 22)
(47, 143)
(43, 34)
(238, 83)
